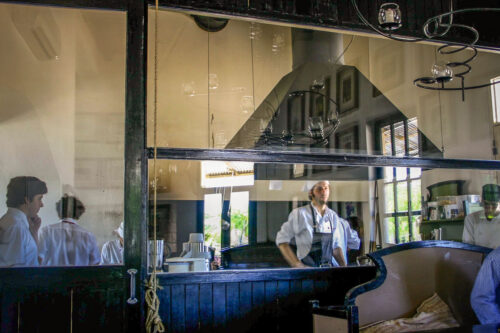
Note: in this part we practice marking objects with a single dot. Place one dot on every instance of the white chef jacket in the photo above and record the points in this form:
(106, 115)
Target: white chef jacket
(112, 253)
(67, 244)
(479, 231)
(17, 245)
(300, 226)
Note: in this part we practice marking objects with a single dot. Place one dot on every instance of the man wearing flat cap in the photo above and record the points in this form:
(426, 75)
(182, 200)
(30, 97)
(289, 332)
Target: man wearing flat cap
(322, 238)
(483, 227)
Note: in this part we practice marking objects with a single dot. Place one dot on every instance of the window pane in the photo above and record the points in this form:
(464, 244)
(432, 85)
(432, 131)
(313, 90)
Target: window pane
(239, 218)
(212, 218)
(401, 173)
(415, 172)
(404, 229)
(389, 198)
(416, 195)
(413, 137)
(62, 120)
(402, 196)
(388, 174)
(277, 190)
(390, 230)
(415, 224)
(386, 140)
(399, 139)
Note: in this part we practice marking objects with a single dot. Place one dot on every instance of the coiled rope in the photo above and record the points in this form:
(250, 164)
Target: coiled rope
(153, 319)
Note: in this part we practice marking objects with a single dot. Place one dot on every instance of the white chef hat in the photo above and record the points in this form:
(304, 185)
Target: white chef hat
(309, 185)
(119, 231)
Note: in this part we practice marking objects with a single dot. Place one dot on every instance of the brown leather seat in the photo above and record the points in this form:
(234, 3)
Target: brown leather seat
(407, 275)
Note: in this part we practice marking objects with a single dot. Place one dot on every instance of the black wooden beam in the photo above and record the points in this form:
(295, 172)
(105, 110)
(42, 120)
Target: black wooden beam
(287, 157)
(341, 15)
(84, 4)
(254, 275)
(136, 194)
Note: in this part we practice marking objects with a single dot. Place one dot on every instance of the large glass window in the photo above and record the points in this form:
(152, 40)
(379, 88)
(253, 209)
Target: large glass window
(402, 186)
(264, 86)
(239, 225)
(233, 84)
(62, 114)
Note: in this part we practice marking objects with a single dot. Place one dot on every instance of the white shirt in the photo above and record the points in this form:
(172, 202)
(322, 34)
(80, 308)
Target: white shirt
(300, 226)
(17, 246)
(67, 244)
(112, 253)
(479, 231)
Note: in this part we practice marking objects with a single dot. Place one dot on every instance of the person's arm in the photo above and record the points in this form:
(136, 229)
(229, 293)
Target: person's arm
(468, 234)
(283, 238)
(353, 241)
(13, 247)
(338, 255)
(290, 256)
(483, 296)
(35, 223)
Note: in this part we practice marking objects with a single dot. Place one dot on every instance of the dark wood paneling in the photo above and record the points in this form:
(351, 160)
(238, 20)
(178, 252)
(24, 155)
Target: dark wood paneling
(219, 305)
(178, 308)
(253, 301)
(206, 307)
(192, 307)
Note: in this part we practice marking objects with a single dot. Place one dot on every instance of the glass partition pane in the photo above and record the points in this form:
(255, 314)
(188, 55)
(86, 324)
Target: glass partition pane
(237, 225)
(241, 84)
(62, 113)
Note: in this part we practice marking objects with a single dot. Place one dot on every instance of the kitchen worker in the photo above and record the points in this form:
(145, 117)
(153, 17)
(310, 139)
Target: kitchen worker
(322, 238)
(483, 227)
(67, 243)
(112, 251)
(485, 296)
(19, 226)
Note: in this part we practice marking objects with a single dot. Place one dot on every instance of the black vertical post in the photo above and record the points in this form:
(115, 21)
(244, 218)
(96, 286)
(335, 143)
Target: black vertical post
(136, 159)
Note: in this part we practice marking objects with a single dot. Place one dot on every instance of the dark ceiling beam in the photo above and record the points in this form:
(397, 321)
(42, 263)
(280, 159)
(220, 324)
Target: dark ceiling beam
(120, 5)
(341, 15)
(289, 157)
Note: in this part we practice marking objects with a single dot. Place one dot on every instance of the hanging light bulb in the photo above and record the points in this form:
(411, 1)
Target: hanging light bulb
(389, 16)
(442, 72)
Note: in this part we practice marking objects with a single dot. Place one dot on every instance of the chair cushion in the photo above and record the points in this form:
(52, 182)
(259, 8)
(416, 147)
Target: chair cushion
(433, 313)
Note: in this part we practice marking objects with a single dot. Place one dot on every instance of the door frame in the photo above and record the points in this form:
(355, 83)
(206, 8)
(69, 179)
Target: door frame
(20, 287)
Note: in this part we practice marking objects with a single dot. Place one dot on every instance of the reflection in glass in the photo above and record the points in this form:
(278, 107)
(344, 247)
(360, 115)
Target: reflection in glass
(403, 229)
(241, 223)
(402, 196)
(65, 97)
(389, 198)
(390, 228)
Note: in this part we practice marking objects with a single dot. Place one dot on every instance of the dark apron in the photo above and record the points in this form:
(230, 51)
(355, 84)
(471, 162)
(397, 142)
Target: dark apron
(321, 251)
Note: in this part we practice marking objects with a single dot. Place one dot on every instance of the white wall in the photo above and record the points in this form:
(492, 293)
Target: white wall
(62, 111)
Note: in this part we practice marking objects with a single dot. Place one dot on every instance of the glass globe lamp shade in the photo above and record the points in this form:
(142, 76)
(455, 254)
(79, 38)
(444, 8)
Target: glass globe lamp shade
(442, 72)
(389, 16)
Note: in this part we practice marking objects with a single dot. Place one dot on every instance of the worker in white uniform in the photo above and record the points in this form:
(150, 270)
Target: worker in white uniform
(483, 227)
(112, 251)
(322, 238)
(19, 226)
(66, 243)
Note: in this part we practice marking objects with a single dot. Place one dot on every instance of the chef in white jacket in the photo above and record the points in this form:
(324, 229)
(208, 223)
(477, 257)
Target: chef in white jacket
(483, 227)
(20, 224)
(112, 251)
(321, 237)
(67, 243)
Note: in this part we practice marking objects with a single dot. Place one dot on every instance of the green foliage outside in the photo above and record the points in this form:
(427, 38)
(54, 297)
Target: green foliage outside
(239, 228)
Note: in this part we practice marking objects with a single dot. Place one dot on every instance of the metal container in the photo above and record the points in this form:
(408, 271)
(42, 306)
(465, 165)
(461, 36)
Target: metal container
(159, 254)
